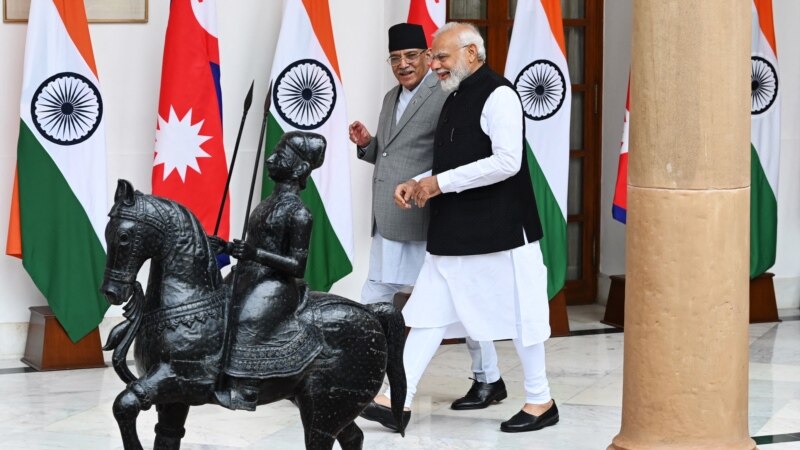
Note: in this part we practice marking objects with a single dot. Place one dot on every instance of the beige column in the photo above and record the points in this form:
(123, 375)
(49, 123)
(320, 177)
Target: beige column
(686, 312)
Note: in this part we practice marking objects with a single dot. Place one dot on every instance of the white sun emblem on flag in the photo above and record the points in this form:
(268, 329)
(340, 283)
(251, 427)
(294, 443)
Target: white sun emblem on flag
(178, 144)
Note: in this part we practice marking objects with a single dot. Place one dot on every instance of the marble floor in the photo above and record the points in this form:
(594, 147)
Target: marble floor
(72, 409)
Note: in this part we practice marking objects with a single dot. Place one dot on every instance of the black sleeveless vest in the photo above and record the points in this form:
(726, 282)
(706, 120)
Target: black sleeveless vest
(490, 218)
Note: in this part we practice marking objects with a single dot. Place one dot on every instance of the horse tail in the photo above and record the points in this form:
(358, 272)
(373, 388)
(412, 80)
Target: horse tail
(394, 328)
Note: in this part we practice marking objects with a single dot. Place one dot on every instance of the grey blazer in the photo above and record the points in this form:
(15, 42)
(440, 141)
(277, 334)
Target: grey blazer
(402, 151)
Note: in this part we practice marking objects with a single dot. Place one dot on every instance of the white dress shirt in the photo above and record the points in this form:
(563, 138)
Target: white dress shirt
(405, 98)
(501, 120)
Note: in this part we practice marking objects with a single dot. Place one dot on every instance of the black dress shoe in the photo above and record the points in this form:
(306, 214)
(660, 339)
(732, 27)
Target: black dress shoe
(523, 421)
(383, 415)
(481, 395)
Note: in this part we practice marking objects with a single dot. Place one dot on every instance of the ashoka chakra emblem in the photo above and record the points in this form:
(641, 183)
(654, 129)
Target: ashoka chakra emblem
(305, 94)
(763, 85)
(67, 108)
(542, 87)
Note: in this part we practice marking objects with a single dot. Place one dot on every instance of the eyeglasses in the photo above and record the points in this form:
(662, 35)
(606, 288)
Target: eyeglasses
(410, 57)
(442, 57)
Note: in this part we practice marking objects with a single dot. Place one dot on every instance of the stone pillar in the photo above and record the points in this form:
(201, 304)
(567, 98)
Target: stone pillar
(686, 312)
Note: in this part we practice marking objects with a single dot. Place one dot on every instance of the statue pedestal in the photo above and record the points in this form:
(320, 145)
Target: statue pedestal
(763, 306)
(49, 348)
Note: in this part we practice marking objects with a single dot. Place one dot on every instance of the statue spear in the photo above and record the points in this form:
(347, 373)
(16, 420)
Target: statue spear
(267, 104)
(228, 331)
(247, 102)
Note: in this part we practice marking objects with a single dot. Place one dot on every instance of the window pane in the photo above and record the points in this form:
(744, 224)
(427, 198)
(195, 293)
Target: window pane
(570, 9)
(573, 9)
(467, 9)
(574, 239)
(575, 53)
(575, 186)
(576, 122)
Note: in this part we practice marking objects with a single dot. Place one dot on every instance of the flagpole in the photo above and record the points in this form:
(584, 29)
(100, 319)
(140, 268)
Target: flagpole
(247, 102)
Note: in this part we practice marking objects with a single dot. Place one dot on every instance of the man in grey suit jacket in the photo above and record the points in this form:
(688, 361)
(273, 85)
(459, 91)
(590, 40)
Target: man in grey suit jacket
(402, 148)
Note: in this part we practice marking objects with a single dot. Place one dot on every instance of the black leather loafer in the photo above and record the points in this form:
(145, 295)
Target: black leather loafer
(523, 421)
(481, 395)
(383, 415)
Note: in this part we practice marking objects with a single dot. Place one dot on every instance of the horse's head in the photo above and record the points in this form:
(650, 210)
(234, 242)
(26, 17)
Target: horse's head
(135, 233)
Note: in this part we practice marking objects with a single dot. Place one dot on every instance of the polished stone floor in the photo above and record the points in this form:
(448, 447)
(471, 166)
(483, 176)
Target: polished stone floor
(72, 409)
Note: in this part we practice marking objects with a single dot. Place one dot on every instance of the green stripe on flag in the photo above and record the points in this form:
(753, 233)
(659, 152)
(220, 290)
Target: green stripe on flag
(554, 227)
(327, 260)
(763, 218)
(60, 249)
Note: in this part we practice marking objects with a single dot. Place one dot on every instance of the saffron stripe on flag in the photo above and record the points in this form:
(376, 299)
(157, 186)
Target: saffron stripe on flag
(14, 238)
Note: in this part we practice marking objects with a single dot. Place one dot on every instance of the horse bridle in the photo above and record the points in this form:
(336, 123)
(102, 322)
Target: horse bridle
(138, 212)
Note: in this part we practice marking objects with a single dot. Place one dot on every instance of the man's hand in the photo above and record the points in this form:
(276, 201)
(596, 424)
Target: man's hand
(404, 192)
(427, 188)
(242, 250)
(218, 245)
(359, 134)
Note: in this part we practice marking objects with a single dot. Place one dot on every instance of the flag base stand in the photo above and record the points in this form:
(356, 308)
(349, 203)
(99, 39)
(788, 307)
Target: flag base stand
(763, 306)
(559, 321)
(615, 306)
(48, 346)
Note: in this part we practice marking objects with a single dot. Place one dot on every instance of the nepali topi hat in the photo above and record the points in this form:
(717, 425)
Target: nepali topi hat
(404, 36)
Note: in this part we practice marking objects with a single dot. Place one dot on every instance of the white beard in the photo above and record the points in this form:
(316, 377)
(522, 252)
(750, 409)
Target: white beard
(457, 75)
(450, 84)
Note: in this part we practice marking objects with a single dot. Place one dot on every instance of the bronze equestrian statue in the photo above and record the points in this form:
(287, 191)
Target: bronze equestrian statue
(326, 354)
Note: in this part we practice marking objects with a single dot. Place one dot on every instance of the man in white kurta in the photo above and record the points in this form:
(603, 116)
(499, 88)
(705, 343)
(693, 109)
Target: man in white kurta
(465, 287)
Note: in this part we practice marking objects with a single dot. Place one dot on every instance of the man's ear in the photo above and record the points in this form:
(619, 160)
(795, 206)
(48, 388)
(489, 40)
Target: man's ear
(301, 169)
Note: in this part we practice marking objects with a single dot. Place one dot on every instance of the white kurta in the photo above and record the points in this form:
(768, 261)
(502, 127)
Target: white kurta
(395, 262)
(500, 295)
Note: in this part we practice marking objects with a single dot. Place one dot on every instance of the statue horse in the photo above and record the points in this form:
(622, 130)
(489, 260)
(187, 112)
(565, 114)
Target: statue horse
(179, 327)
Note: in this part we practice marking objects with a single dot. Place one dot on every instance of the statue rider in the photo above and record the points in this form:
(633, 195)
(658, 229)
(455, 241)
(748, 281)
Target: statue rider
(266, 338)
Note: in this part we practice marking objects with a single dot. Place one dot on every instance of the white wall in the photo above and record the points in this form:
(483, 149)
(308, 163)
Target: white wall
(616, 61)
(129, 63)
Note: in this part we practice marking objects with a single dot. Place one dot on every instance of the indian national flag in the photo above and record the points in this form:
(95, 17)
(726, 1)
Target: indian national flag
(307, 95)
(537, 65)
(60, 212)
(765, 129)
